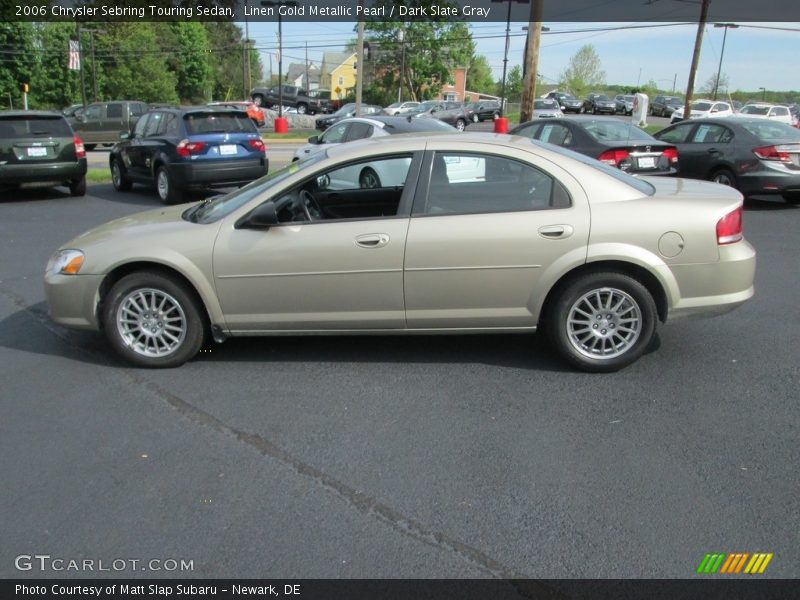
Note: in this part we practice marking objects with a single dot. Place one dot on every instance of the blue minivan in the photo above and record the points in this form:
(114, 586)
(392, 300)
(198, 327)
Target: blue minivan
(177, 149)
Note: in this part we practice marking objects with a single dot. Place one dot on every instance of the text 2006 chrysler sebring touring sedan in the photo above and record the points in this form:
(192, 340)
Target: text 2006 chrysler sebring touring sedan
(437, 234)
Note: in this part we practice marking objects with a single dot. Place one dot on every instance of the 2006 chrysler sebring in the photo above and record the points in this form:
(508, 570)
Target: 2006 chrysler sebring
(439, 234)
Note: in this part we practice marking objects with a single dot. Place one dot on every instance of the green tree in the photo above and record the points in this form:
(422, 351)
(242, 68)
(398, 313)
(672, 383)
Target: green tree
(54, 85)
(583, 73)
(432, 48)
(479, 75)
(513, 85)
(18, 62)
(191, 63)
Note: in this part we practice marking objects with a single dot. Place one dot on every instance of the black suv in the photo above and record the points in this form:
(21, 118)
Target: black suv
(38, 147)
(482, 111)
(191, 147)
(664, 106)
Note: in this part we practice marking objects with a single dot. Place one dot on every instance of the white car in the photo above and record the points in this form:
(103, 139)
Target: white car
(704, 109)
(359, 128)
(758, 110)
(398, 108)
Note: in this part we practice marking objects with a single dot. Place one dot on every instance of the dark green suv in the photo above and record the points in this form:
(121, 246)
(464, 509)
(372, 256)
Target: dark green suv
(40, 148)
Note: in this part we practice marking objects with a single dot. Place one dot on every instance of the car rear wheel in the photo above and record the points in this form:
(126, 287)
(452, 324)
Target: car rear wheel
(120, 182)
(153, 321)
(475, 118)
(369, 179)
(602, 322)
(77, 187)
(724, 177)
(461, 124)
(89, 147)
(167, 191)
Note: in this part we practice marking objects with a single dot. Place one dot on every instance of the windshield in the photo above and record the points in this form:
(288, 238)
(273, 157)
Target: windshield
(636, 183)
(544, 104)
(772, 132)
(569, 97)
(754, 110)
(215, 209)
(701, 106)
(615, 131)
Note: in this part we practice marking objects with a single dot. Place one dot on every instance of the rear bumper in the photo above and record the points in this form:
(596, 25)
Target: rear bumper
(769, 181)
(715, 288)
(55, 172)
(218, 173)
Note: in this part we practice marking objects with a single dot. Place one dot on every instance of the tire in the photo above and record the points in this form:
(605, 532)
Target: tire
(368, 179)
(724, 177)
(258, 100)
(301, 109)
(118, 179)
(89, 147)
(594, 110)
(495, 116)
(577, 303)
(461, 124)
(167, 192)
(77, 187)
(162, 338)
(582, 110)
(476, 118)
(792, 197)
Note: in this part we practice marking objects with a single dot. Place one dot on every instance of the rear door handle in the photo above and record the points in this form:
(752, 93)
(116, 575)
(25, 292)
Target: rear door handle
(556, 232)
(713, 151)
(372, 240)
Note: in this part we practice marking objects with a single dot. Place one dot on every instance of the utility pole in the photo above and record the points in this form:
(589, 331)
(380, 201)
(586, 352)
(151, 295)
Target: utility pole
(308, 81)
(722, 52)
(531, 60)
(94, 67)
(360, 63)
(80, 61)
(698, 43)
(674, 82)
(246, 59)
(402, 37)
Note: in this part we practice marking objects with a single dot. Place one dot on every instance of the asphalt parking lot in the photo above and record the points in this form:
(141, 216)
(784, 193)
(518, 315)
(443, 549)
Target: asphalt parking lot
(472, 456)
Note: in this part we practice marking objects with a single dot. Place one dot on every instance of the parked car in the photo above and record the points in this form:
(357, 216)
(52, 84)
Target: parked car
(291, 96)
(359, 128)
(255, 112)
(756, 156)
(612, 141)
(296, 253)
(567, 102)
(398, 108)
(452, 113)
(348, 110)
(547, 109)
(703, 109)
(102, 122)
(485, 110)
(780, 114)
(176, 149)
(624, 103)
(39, 147)
(664, 106)
(599, 103)
(327, 104)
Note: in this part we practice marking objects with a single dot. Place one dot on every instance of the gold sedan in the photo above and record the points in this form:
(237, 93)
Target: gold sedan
(437, 234)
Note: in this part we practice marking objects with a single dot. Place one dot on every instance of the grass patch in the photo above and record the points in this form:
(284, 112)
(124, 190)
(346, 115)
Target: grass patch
(651, 129)
(299, 134)
(98, 175)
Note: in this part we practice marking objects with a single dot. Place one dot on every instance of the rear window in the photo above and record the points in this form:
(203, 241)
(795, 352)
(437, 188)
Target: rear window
(615, 131)
(34, 126)
(773, 131)
(218, 122)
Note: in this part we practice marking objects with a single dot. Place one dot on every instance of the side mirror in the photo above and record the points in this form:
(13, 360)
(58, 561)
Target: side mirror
(323, 181)
(263, 217)
(80, 117)
(314, 139)
(124, 135)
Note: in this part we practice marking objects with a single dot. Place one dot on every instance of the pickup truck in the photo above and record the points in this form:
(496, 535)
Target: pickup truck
(102, 122)
(293, 96)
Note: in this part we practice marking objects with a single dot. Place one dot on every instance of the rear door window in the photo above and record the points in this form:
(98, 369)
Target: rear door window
(677, 135)
(711, 134)
(114, 111)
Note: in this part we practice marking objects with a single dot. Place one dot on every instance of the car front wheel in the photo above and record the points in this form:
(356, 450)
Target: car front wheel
(461, 124)
(475, 118)
(302, 109)
(602, 322)
(120, 182)
(152, 321)
(368, 179)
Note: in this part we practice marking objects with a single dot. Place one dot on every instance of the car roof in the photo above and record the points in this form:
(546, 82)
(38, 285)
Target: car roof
(31, 113)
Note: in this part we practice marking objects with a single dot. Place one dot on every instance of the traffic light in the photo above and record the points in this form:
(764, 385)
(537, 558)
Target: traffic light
(24, 87)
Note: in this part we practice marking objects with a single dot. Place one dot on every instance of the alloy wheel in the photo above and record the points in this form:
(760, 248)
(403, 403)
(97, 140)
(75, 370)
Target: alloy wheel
(151, 322)
(604, 323)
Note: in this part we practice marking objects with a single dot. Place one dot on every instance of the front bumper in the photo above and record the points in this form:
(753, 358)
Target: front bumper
(72, 300)
(715, 288)
(218, 173)
(53, 172)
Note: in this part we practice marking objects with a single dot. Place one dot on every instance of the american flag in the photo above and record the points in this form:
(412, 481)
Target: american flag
(74, 55)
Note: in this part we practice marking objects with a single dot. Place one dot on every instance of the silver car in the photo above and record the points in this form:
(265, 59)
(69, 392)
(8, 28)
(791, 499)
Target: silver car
(546, 109)
(475, 233)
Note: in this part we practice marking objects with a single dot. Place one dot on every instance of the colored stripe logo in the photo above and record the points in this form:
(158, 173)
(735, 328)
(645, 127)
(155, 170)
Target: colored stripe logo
(734, 563)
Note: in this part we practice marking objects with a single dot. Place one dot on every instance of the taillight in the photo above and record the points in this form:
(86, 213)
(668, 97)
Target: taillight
(671, 154)
(729, 227)
(186, 148)
(772, 153)
(80, 149)
(257, 145)
(614, 157)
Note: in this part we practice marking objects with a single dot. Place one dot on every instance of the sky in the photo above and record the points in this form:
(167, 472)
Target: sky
(754, 57)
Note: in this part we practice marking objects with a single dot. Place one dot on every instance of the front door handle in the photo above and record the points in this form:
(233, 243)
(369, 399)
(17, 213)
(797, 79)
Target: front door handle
(556, 232)
(372, 240)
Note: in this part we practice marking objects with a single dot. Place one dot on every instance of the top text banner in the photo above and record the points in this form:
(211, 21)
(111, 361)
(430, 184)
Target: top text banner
(396, 10)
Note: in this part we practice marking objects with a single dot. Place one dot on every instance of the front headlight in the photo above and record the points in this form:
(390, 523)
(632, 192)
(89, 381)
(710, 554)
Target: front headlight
(66, 262)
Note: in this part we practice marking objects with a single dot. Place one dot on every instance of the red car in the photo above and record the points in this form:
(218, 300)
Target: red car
(253, 111)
